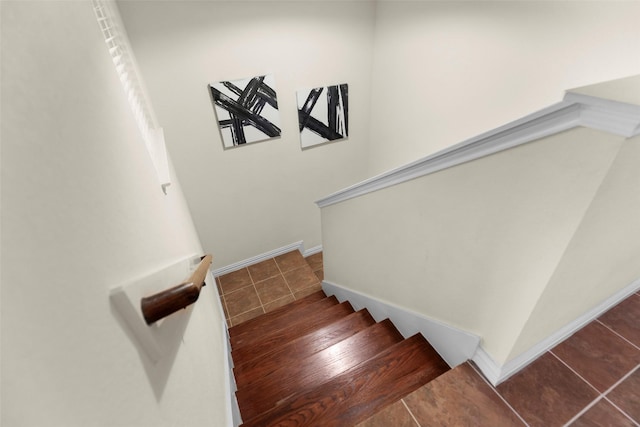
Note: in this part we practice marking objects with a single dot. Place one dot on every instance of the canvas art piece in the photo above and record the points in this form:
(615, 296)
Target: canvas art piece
(247, 110)
(323, 114)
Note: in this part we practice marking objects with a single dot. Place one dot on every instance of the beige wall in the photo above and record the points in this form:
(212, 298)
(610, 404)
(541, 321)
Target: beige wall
(626, 90)
(249, 200)
(602, 256)
(82, 211)
(447, 71)
(474, 245)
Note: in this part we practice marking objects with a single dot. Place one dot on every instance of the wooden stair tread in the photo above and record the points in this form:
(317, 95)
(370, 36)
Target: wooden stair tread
(258, 322)
(265, 392)
(268, 341)
(286, 319)
(301, 348)
(358, 393)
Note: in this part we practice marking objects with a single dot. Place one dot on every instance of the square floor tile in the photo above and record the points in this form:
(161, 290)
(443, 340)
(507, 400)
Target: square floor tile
(272, 289)
(626, 395)
(624, 318)
(242, 300)
(460, 397)
(235, 280)
(301, 278)
(394, 415)
(600, 356)
(602, 414)
(546, 393)
(315, 261)
(290, 261)
(263, 270)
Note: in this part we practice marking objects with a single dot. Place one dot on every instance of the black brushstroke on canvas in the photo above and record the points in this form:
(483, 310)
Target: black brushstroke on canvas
(246, 110)
(304, 113)
(344, 92)
(337, 105)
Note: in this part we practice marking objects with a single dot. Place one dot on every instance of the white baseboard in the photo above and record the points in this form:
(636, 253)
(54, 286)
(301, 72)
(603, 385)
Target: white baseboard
(312, 251)
(231, 403)
(497, 373)
(454, 345)
(489, 367)
(259, 258)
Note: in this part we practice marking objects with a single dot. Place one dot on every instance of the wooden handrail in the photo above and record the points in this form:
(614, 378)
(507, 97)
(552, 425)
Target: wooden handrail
(162, 304)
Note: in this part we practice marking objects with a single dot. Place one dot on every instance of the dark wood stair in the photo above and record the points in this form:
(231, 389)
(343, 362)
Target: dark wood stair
(316, 370)
(249, 332)
(303, 347)
(318, 316)
(317, 362)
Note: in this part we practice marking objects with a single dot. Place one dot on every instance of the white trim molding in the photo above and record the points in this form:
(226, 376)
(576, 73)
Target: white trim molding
(615, 117)
(497, 373)
(454, 345)
(119, 48)
(312, 251)
(299, 246)
(575, 110)
(232, 409)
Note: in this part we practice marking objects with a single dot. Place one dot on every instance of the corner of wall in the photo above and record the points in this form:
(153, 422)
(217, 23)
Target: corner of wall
(497, 373)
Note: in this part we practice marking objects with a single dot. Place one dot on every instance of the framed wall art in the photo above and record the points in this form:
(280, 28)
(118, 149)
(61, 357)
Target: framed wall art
(323, 114)
(246, 109)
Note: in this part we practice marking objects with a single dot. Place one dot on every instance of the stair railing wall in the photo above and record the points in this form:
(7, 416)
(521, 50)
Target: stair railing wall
(471, 236)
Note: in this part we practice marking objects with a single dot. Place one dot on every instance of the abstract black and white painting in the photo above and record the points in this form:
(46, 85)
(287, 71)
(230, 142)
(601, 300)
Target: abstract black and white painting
(323, 114)
(247, 110)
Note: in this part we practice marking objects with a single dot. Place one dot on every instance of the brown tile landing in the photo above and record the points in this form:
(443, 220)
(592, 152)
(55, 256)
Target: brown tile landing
(265, 286)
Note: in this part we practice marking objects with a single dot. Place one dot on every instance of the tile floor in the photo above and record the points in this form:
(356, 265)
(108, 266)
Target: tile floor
(591, 379)
(265, 286)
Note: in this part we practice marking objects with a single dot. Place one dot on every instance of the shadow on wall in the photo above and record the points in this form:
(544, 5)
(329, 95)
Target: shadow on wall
(157, 344)
(168, 334)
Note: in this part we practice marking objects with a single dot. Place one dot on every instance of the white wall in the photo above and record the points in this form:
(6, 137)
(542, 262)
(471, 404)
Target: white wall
(447, 71)
(474, 245)
(252, 199)
(82, 211)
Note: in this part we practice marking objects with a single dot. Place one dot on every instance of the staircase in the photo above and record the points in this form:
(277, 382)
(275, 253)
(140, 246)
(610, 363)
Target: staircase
(318, 362)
